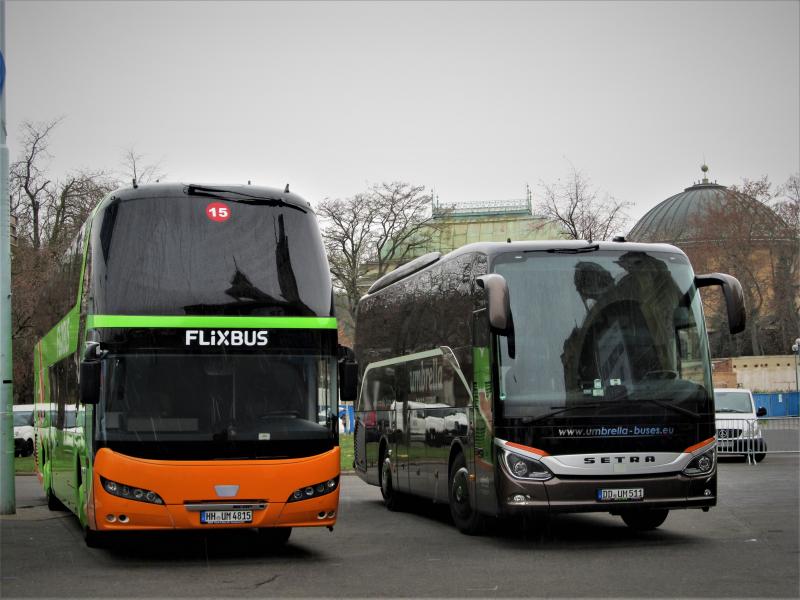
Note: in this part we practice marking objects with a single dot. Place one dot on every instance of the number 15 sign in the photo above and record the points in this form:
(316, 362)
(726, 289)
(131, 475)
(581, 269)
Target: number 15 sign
(217, 211)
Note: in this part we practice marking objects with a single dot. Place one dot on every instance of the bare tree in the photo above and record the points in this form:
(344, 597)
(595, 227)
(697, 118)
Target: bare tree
(29, 184)
(349, 239)
(403, 222)
(135, 169)
(580, 210)
(744, 236)
(372, 231)
(787, 203)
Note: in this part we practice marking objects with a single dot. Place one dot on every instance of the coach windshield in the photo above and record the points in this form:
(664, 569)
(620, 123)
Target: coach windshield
(195, 255)
(191, 406)
(603, 333)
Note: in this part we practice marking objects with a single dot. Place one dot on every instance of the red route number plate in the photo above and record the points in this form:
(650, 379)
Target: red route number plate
(217, 211)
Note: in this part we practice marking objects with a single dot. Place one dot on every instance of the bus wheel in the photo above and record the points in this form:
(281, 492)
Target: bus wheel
(644, 520)
(94, 538)
(53, 503)
(273, 537)
(28, 448)
(467, 519)
(391, 497)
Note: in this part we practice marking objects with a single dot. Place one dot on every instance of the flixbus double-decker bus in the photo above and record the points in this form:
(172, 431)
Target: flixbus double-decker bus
(187, 377)
(510, 379)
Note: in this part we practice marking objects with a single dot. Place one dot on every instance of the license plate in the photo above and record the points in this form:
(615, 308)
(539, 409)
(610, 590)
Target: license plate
(226, 516)
(614, 495)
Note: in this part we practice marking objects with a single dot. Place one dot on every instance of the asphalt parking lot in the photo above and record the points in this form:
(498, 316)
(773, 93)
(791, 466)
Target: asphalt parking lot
(746, 547)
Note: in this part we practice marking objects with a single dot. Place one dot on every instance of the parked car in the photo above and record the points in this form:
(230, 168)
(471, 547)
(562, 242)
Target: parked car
(23, 429)
(738, 431)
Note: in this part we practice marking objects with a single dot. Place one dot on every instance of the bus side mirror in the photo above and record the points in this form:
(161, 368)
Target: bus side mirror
(734, 297)
(90, 381)
(499, 302)
(761, 412)
(348, 375)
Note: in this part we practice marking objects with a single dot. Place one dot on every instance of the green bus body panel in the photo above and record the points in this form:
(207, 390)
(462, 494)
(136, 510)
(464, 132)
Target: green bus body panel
(201, 322)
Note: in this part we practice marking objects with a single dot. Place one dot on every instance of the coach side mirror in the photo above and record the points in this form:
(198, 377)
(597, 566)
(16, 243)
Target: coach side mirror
(348, 374)
(90, 381)
(761, 412)
(734, 297)
(499, 302)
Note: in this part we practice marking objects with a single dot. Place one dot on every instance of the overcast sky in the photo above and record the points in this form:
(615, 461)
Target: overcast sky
(474, 100)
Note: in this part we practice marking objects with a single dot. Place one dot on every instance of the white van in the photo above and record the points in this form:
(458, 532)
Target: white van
(23, 429)
(738, 431)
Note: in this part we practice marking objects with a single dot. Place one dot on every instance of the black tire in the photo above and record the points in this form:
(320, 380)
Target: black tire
(28, 448)
(94, 538)
(465, 517)
(274, 537)
(644, 520)
(54, 503)
(392, 499)
(760, 456)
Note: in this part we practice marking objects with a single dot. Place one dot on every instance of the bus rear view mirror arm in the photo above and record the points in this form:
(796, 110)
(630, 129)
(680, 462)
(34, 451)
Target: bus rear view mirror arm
(499, 302)
(348, 374)
(90, 381)
(734, 297)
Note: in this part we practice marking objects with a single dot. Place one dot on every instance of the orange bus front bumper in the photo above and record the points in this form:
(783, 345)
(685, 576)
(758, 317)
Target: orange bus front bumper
(185, 485)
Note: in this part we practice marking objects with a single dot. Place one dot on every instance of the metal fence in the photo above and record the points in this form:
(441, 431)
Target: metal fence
(756, 438)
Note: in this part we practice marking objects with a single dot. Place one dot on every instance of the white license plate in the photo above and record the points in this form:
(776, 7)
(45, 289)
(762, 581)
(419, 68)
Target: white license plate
(614, 495)
(226, 516)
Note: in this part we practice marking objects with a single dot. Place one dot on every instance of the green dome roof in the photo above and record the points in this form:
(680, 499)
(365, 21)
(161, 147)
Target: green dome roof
(676, 219)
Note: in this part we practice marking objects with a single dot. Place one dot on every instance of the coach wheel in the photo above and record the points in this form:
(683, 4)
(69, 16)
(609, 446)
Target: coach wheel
(28, 448)
(94, 538)
(274, 536)
(391, 497)
(644, 520)
(466, 518)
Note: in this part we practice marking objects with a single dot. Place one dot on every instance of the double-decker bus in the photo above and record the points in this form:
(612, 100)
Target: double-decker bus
(515, 378)
(186, 377)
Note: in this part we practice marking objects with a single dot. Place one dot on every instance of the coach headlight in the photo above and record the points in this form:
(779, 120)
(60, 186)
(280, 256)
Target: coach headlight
(314, 491)
(130, 492)
(701, 464)
(525, 468)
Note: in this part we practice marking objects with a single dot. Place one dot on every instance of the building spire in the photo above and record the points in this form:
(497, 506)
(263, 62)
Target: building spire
(704, 169)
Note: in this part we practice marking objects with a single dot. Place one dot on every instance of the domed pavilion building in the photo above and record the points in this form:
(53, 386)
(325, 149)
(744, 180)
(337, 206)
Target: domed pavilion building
(722, 229)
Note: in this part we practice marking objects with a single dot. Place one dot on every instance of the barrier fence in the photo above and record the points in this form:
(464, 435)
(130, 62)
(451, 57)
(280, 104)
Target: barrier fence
(755, 439)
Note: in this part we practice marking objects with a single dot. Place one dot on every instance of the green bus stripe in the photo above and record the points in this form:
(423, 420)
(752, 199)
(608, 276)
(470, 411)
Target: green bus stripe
(180, 322)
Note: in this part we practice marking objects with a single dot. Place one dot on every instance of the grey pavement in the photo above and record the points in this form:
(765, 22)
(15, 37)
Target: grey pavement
(745, 547)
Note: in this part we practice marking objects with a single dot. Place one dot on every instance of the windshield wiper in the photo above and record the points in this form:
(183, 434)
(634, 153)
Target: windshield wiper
(730, 410)
(567, 409)
(580, 250)
(210, 192)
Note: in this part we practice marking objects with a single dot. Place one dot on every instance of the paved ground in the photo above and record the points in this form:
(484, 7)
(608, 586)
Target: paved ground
(746, 547)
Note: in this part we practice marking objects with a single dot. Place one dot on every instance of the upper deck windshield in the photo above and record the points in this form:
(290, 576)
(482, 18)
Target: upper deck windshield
(603, 333)
(168, 256)
(218, 406)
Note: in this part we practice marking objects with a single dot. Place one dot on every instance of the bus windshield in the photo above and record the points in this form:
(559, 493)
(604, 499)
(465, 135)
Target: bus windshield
(251, 403)
(165, 256)
(603, 333)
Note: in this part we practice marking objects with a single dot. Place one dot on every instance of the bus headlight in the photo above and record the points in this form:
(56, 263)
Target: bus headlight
(314, 491)
(702, 464)
(525, 468)
(130, 492)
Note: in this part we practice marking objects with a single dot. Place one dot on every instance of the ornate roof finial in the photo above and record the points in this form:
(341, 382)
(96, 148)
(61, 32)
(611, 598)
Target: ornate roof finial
(704, 169)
